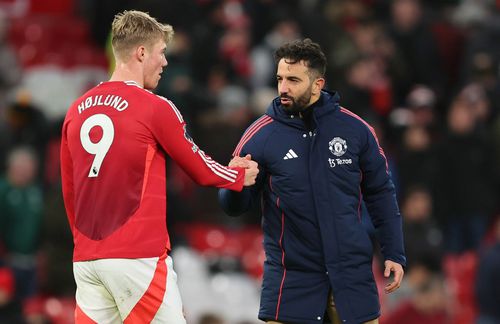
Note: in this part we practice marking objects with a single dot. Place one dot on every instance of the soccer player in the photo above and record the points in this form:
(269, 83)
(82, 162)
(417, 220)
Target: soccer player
(115, 139)
(318, 162)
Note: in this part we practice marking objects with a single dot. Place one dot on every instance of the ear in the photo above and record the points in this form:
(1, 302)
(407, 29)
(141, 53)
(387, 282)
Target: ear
(318, 85)
(140, 53)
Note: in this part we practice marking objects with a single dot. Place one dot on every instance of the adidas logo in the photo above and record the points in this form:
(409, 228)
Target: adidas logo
(290, 155)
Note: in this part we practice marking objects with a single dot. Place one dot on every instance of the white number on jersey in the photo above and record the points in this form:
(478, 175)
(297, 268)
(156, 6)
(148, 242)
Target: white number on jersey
(98, 149)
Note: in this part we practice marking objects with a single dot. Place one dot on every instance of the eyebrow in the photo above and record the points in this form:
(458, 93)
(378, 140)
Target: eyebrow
(290, 77)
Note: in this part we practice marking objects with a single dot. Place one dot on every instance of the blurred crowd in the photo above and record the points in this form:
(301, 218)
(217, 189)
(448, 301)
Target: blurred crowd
(425, 74)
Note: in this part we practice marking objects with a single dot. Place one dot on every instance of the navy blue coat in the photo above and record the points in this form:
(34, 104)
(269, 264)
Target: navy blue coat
(312, 184)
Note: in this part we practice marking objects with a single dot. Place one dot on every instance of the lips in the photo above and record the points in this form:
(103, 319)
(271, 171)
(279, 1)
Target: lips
(285, 101)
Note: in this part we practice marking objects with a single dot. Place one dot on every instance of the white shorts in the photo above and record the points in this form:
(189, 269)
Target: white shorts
(129, 291)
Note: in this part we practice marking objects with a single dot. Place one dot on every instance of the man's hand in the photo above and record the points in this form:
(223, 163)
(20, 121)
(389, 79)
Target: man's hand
(240, 162)
(251, 168)
(391, 266)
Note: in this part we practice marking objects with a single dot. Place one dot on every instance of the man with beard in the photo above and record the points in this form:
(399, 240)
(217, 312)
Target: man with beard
(317, 162)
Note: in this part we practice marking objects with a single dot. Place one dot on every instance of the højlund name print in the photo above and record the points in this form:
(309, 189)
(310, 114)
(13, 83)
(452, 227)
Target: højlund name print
(112, 101)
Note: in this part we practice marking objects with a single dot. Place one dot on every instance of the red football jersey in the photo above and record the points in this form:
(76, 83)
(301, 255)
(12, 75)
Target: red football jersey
(113, 147)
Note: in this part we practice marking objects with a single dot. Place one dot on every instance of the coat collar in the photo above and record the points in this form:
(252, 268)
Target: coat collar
(326, 104)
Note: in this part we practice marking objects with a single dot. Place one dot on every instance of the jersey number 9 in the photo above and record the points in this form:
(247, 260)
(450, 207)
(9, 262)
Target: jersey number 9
(100, 148)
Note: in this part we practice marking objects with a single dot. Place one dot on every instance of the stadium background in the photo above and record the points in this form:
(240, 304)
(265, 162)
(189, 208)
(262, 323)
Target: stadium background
(424, 73)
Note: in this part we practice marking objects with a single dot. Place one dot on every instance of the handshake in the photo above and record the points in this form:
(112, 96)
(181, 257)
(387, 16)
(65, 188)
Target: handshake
(251, 168)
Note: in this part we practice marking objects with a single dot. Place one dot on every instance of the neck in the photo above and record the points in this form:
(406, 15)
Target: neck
(315, 97)
(127, 72)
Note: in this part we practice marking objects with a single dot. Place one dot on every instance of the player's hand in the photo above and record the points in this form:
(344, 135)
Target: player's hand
(391, 266)
(251, 168)
(251, 171)
(241, 162)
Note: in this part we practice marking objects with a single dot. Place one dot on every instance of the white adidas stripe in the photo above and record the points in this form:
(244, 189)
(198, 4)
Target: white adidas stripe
(218, 169)
(229, 172)
(290, 155)
(209, 160)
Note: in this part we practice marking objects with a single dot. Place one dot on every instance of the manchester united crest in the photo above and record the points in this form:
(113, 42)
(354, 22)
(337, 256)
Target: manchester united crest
(338, 146)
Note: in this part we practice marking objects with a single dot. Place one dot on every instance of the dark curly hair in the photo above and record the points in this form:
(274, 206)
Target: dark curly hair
(303, 50)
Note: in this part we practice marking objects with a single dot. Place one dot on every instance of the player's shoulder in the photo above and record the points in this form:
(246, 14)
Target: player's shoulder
(165, 103)
(125, 89)
(134, 89)
(152, 100)
(353, 120)
(111, 90)
(256, 134)
(261, 127)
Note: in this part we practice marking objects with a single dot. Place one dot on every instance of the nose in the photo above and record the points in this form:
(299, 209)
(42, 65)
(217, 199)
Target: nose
(282, 87)
(165, 62)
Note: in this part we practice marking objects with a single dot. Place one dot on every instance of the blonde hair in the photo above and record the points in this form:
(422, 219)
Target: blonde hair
(132, 28)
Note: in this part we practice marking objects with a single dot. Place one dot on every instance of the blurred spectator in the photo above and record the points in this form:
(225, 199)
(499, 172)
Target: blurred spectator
(268, 14)
(414, 40)
(422, 103)
(414, 277)
(36, 311)
(360, 78)
(481, 58)
(450, 41)
(234, 48)
(427, 303)
(495, 135)
(413, 128)
(21, 205)
(178, 83)
(423, 238)
(14, 8)
(417, 163)
(10, 309)
(347, 14)
(476, 98)
(358, 39)
(10, 70)
(25, 125)
(56, 248)
(260, 99)
(371, 41)
(230, 101)
(98, 14)
(488, 282)
(464, 192)
(472, 13)
(343, 17)
(263, 65)
(207, 33)
(416, 123)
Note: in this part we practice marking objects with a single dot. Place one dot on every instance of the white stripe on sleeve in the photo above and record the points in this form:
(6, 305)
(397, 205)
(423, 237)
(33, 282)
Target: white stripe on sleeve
(218, 169)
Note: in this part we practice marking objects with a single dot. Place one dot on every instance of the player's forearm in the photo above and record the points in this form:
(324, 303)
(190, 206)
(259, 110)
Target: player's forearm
(212, 174)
